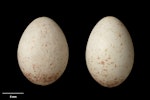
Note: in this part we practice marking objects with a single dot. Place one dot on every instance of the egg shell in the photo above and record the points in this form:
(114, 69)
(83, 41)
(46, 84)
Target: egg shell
(43, 51)
(109, 52)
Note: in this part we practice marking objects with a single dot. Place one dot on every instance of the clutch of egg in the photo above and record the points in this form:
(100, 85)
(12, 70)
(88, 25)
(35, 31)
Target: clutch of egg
(43, 51)
(109, 52)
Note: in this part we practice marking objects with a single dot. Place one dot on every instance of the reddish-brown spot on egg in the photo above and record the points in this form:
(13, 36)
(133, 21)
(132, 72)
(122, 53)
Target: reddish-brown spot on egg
(45, 79)
(101, 82)
(114, 82)
(34, 77)
(52, 78)
(33, 65)
(102, 62)
(29, 76)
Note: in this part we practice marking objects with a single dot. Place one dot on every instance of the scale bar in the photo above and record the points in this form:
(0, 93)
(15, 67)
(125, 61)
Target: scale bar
(12, 92)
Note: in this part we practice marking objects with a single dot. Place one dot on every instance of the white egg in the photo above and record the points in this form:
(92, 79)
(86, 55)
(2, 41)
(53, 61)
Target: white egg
(43, 51)
(109, 52)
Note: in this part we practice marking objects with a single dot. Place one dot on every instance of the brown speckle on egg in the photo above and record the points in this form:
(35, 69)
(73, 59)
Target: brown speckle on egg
(120, 35)
(121, 44)
(112, 62)
(45, 45)
(104, 69)
(109, 57)
(102, 62)
(51, 64)
(115, 65)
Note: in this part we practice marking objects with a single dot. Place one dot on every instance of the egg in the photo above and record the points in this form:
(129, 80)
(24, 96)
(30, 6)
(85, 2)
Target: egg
(109, 52)
(43, 51)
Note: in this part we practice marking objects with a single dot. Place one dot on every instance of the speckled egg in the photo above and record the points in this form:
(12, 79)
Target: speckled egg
(43, 51)
(109, 52)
